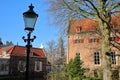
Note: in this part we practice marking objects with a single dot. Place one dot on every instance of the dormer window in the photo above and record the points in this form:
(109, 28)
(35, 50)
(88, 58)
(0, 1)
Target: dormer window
(78, 29)
(32, 54)
(4, 54)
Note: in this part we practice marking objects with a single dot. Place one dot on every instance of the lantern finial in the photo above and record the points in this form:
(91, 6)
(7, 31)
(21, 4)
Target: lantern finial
(31, 7)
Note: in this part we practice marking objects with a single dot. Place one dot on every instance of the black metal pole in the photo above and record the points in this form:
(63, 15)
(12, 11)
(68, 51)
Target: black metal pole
(27, 56)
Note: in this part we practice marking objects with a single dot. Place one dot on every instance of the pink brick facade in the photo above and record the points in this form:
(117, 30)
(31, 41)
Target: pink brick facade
(85, 49)
(89, 43)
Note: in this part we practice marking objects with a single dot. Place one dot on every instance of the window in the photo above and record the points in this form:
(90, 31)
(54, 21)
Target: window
(21, 66)
(113, 58)
(96, 58)
(78, 29)
(117, 39)
(95, 73)
(77, 54)
(31, 54)
(38, 66)
(93, 40)
(4, 67)
(112, 38)
(78, 41)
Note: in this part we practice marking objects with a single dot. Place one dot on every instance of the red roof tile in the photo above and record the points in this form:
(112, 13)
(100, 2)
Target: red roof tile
(90, 24)
(20, 50)
(7, 49)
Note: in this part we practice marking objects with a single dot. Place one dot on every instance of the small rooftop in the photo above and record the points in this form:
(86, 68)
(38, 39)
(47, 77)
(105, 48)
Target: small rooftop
(21, 50)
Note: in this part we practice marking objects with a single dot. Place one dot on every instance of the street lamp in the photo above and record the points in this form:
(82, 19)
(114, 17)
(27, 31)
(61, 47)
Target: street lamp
(30, 18)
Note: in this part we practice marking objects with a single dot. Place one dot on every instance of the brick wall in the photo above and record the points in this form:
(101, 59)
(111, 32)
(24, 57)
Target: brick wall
(86, 48)
(14, 60)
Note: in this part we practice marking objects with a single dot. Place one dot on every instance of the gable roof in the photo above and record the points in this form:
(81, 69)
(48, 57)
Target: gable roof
(88, 25)
(20, 50)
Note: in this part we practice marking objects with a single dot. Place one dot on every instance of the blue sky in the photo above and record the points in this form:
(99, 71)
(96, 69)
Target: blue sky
(12, 25)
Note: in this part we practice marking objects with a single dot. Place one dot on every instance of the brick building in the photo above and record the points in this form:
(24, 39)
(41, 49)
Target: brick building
(16, 62)
(83, 39)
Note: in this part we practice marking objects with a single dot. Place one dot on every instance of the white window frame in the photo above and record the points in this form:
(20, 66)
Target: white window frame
(38, 66)
(96, 58)
(22, 66)
(113, 58)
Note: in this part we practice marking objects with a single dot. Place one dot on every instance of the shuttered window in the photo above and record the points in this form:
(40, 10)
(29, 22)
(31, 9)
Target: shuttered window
(78, 41)
(93, 40)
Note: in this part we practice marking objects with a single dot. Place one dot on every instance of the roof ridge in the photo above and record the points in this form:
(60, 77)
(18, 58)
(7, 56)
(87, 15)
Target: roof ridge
(25, 47)
(11, 50)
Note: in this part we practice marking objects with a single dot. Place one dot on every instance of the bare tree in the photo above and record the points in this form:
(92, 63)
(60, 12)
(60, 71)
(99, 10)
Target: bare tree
(60, 54)
(99, 9)
(51, 50)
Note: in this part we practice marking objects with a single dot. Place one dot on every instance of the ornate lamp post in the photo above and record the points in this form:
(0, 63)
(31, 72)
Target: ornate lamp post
(30, 18)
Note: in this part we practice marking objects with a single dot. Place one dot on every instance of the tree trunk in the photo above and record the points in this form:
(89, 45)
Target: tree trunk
(105, 44)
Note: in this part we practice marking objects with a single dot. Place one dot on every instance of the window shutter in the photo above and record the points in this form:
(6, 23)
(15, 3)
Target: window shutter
(97, 40)
(73, 41)
(117, 38)
(77, 29)
(89, 40)
(112, 26)
(82, 40)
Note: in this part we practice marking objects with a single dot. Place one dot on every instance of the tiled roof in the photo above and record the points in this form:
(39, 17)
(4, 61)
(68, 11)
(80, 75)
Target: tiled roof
(20, 50)
(7, 49)
(90, 24)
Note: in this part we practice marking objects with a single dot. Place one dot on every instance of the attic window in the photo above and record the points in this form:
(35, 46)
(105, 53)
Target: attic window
(78, 29)
(32, 54)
